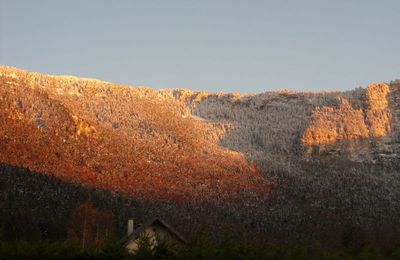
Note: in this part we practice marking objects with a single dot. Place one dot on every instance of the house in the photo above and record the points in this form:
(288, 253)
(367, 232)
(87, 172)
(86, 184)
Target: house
(153, 230)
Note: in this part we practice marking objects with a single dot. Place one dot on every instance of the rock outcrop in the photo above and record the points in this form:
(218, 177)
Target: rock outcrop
(331, 127)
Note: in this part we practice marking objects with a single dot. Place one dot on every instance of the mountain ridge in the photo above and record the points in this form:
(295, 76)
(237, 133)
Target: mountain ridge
(300, 162)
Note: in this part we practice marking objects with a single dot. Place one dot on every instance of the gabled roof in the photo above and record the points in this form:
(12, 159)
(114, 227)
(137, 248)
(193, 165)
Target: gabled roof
(136, 233)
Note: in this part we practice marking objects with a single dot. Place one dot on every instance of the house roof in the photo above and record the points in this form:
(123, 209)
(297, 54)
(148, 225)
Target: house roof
(135, 234)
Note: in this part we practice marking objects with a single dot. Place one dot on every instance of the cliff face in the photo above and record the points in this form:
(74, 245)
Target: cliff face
(369, 126)
(293, 159)
(343, 122)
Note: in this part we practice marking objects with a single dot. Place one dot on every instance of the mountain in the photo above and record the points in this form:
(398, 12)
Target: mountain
(134, 141)
(280, 165)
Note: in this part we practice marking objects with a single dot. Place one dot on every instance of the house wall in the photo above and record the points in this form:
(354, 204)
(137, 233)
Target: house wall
(152, 232)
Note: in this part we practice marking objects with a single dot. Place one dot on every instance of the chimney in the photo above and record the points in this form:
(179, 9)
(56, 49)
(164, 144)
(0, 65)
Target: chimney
(130, 226)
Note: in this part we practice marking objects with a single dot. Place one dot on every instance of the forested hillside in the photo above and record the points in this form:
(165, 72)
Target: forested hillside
(286, 166)
(128, 140)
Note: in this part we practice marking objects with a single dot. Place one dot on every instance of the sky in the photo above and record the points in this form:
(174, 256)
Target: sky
(213, 45)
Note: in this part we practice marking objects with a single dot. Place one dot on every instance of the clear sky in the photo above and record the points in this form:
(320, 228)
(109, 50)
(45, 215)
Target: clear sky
(214, 45)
